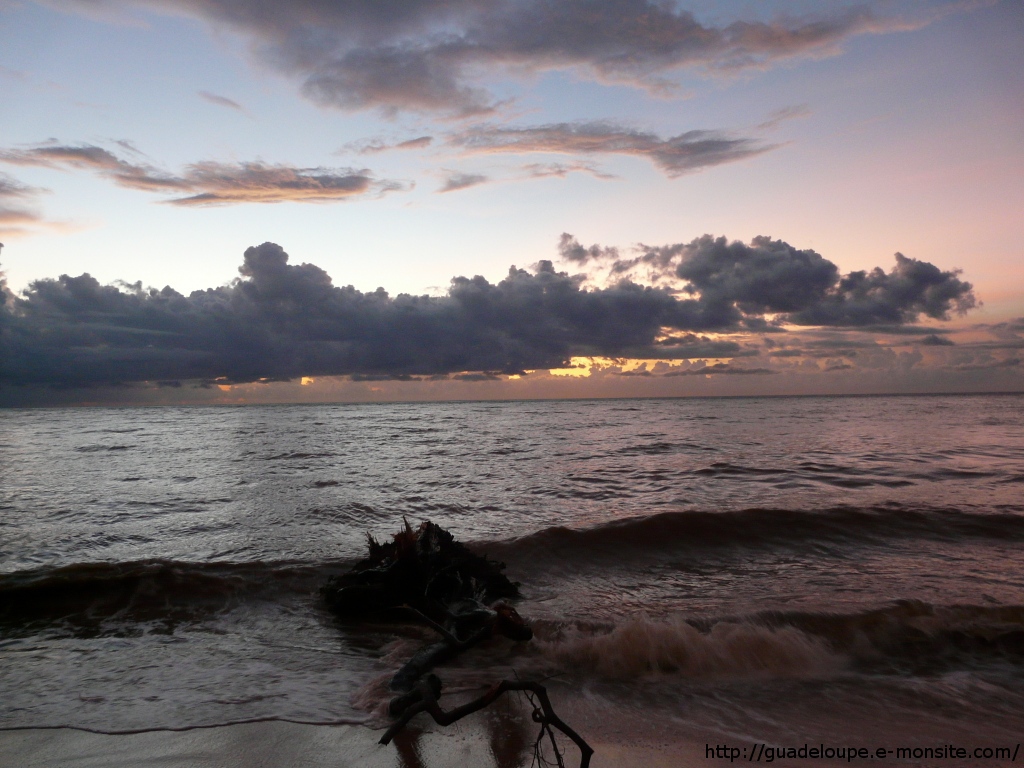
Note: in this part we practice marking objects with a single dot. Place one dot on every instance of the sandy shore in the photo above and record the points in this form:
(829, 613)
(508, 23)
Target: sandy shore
(470, 744)
(483, 741)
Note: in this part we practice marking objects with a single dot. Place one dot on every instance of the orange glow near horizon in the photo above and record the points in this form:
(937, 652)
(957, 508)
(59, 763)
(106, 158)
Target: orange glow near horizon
(583, 367)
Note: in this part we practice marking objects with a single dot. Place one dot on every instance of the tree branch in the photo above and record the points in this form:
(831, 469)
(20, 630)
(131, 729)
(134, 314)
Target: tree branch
(545, 714)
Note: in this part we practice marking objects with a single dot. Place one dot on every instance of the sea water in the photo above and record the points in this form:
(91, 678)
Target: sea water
(773, 569)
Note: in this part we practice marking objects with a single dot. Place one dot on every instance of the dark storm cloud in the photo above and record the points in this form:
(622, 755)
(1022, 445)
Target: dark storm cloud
(902, 330)
(210, 183)
(5, 296)
(475, 377)
(456, 181)
(281, 321)
(221, 101)
(933, 340)
(429, 55)
(737, 283)
(765, 276)
(690, 346)
(677, 155)
(569, 249)
(911, 288)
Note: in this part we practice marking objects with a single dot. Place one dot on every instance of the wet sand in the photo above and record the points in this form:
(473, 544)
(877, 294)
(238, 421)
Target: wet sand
(484, 740)
(470, 744)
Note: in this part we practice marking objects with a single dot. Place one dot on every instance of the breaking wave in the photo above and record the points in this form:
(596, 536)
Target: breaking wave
(641, 646)
(906, 637)
(91, 597)
(761, 527)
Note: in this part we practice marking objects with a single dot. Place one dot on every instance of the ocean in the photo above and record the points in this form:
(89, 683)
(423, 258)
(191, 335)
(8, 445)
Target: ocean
(783, 571)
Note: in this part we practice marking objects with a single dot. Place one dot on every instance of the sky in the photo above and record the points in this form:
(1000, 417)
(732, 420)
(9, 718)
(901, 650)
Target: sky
(218, 201)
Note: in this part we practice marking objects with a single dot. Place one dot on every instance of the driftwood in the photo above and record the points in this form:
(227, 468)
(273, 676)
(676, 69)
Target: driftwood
(543, 713)
(426, 575)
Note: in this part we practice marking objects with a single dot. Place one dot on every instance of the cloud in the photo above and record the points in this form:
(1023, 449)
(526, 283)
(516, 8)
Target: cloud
(903, 330)
(1008, 329)
(97, 159)
(225, 183)
(431, 55)
(741, 283)
(282, 321)
(911, 288)
(374, 146)
(221, 101)
(12, 188)
(779, 116)
(210, 183)
(456, 181)
(933, 340)
(569, 249)
(686, 153)
(691, 346)
(17, 213)
(1011, 362)
(715, 369)
(561, 170)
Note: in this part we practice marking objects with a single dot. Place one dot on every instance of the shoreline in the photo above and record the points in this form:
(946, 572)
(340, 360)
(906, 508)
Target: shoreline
(476, 741)
(492, 738)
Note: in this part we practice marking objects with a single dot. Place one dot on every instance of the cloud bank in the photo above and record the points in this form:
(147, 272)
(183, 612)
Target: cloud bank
(282, 321)
(740, 283)
(210, 183)
(431, 55)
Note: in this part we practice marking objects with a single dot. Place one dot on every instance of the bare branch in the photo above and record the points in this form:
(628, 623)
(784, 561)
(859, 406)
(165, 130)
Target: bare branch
(544, 714)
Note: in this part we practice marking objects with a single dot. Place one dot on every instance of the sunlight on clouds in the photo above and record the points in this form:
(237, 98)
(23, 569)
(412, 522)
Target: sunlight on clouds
(579, 366)
(582, 367)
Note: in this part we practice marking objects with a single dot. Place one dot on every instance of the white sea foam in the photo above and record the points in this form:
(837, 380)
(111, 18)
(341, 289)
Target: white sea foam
(642, 646)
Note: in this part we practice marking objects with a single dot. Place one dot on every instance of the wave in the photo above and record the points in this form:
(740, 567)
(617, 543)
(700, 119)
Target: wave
(640, 646)
(907, 637)
(758, 527)
(101, 598)
(914, 635)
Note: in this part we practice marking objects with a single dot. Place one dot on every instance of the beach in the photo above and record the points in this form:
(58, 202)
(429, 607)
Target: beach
(707, 580)
(285, 744)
